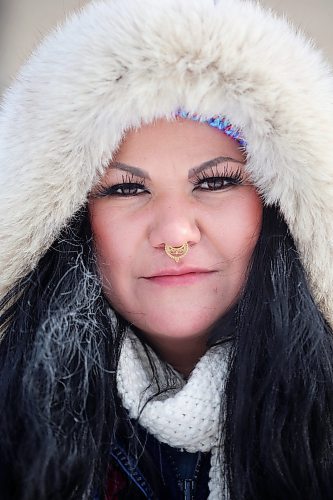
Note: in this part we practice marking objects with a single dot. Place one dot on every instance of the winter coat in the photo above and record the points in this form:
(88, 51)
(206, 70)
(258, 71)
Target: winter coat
(168, 473)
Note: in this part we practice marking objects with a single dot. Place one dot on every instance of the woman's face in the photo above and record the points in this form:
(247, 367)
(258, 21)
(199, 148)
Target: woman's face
(171, 183)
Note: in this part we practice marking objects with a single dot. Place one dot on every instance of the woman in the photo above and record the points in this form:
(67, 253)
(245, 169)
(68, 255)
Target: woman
(166, 233)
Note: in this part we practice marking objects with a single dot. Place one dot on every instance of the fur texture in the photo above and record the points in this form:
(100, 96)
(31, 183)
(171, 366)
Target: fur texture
(119, 63)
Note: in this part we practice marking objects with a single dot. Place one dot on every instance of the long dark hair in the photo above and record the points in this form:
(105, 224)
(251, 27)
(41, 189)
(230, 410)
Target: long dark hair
(279, 422)
(58, 358)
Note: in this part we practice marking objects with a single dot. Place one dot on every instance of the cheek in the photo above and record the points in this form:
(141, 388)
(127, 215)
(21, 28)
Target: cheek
(114, 243)
(240, 225)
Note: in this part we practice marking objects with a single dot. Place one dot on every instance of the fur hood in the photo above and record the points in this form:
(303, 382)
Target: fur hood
(119, 63)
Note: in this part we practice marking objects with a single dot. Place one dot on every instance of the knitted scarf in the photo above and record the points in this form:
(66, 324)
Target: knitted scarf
(186, 416)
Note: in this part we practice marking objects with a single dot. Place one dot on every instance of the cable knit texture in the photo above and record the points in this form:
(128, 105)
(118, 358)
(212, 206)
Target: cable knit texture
(186, 417)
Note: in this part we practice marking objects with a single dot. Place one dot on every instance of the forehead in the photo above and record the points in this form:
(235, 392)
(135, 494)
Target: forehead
(179, 141)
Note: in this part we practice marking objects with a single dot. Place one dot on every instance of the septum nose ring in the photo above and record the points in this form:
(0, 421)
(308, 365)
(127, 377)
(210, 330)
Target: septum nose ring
(176, 253)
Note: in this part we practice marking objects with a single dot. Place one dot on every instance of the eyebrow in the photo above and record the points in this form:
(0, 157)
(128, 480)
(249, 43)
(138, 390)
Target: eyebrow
(139, 172)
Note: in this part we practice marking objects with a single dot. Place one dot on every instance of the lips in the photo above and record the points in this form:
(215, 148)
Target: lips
(182, 276)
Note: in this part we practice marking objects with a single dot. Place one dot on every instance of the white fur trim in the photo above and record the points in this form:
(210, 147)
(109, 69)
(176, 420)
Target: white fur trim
(123, 61)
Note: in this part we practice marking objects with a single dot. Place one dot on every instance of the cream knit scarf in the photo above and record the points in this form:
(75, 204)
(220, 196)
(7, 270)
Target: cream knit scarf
(185, 417)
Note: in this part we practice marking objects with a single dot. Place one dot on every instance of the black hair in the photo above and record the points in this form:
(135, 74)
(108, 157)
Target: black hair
(279, 419)
(58, 357)
(59, 350)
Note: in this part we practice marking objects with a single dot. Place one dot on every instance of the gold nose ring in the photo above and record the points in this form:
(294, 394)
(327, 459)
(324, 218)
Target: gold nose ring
(176, 253)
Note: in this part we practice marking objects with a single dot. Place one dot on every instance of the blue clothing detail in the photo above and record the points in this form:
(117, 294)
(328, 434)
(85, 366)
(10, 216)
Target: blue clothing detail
(217, 121)
(181, 475)
(131, 470)
(184, 474)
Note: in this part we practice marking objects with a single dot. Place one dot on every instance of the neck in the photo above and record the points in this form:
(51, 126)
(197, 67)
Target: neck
(182, 354)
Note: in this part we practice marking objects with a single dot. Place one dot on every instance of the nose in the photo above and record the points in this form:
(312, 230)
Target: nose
(174, 223)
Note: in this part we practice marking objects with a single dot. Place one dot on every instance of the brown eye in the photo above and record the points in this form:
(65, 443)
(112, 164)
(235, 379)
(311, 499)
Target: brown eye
(123, 189)
(216, 183)
(129, 189)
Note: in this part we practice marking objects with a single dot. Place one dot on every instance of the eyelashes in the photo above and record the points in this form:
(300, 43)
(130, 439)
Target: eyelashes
(130, 186)
(213, 179)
